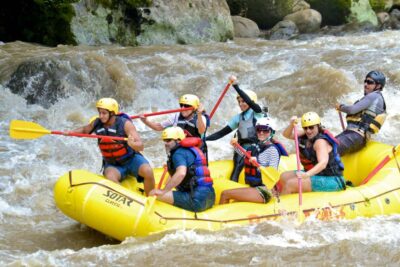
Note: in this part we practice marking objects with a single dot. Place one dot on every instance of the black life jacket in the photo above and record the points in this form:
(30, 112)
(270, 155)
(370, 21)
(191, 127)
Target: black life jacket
(371, 119)
(253, 176)
(308, 156)
(113, 151)
(198, 173)
(190, 126)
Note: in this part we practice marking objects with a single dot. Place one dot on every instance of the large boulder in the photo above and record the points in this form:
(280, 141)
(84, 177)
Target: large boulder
(361, 12)
(125, 22)
(266, 13)
(307, 21)
(245, 27)
(285, 29)
(184, 22)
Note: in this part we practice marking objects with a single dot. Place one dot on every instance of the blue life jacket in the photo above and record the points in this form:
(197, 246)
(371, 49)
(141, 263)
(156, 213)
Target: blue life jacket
(198, 173)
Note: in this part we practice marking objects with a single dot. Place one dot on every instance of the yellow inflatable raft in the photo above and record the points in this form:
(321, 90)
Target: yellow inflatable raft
(122, 210)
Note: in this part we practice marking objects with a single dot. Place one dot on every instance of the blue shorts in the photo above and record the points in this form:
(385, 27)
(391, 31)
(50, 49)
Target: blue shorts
(327, 183)
(203, 198)
(131, 167)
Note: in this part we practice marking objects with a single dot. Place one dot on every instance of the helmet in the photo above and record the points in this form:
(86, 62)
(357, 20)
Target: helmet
(264, 124)
(175, 133)
(109, 104)
(251, 94)
(377, 76)
(190, 100)
(310, 119)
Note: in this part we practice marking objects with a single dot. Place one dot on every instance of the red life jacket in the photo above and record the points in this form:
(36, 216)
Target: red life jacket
(114, 151)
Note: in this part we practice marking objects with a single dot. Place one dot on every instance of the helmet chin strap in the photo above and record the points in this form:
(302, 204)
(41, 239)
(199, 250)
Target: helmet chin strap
(268, 139)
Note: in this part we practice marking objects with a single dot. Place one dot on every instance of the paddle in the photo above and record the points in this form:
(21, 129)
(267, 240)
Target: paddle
(300, 214)
(30, 130)
(222, 96)
(341, 120)
(270, 174)
(381, 164)
(152, 199)
(161, 112)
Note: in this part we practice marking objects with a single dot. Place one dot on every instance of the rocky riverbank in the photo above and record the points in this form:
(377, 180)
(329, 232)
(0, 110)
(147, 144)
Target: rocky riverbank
(146, 22)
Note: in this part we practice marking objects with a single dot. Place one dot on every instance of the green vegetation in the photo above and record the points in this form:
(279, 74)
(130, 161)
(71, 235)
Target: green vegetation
(39, 21)
(334, 12)
(377, 5)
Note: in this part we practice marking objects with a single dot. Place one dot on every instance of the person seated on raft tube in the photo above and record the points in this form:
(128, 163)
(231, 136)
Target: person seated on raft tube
(120, 158)
(193, 122)
(323, 169)
(189, 173)
(245, 123)
(266, 152)
(365, 116)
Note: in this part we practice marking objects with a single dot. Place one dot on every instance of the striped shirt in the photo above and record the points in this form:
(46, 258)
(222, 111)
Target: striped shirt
(269, 157)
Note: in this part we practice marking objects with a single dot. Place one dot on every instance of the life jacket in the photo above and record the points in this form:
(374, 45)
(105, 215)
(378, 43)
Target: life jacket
(198, 173)
(190, 126)
(247, 129)
(114, 151)
(253, 176)
(369, 120)
(308, 156)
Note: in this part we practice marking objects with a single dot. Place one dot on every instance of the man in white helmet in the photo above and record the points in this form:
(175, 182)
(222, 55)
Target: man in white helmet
(266, 152)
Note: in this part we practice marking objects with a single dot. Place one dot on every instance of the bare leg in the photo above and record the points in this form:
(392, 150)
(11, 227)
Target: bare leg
(147, 173)
(292, 186)
(167, 197)
(241, 195)
(112, 174)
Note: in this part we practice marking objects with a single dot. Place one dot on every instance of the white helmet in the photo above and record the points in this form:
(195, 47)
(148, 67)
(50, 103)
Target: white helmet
(265, 123)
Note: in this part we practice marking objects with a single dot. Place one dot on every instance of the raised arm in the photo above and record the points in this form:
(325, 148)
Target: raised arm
(253, 105)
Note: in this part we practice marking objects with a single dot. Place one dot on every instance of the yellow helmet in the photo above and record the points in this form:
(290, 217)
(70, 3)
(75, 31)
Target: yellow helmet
(310, 119)
(109, 104)
(251, 94)
(190, 100)
(175, 133)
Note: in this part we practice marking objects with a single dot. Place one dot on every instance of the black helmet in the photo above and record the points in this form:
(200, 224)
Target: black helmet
(377, 76)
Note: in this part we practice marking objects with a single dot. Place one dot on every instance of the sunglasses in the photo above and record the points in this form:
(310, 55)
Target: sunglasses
(369, 81)
(167, 140)
(264, 129)
(185, 106)
(309, 128)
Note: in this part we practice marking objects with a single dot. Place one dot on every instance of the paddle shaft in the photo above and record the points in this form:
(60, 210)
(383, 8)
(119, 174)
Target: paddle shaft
(220, 98)
(162, 177)
(381, 165)
(247, 154)
(341, 120)
(300, 184)
(161, 112)
(89, 135)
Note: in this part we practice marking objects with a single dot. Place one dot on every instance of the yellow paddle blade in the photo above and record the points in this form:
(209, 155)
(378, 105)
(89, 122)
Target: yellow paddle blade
(26, 130)
(300, 215)
(270, 176)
